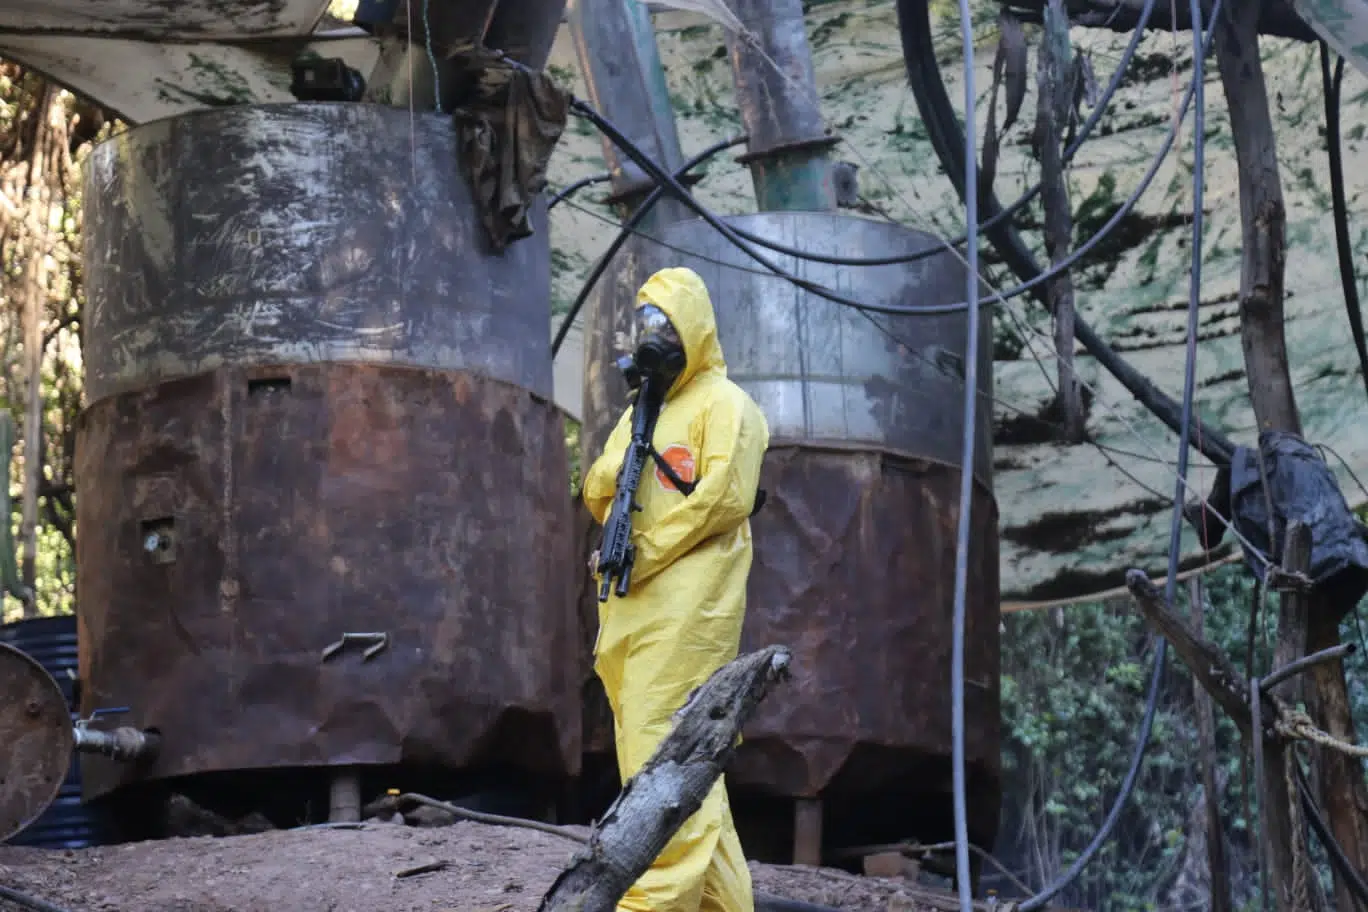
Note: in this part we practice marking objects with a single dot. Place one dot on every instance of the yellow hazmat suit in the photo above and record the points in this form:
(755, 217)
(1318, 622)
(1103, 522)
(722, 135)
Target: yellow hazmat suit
(681, 619)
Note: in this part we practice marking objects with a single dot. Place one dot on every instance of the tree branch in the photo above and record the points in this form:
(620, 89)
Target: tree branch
(1277, 19)
(670, 788)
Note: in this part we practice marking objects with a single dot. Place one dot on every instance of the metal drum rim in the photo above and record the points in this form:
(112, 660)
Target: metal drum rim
(67, 739)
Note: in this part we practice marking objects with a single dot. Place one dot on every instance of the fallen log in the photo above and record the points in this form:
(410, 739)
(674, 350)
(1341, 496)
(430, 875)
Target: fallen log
(670, 788)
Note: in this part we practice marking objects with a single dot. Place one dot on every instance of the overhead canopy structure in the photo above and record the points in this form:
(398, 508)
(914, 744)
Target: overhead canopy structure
(147, 59)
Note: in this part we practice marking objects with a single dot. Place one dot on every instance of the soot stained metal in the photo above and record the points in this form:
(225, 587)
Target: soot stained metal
(319, 406)
(855, 548)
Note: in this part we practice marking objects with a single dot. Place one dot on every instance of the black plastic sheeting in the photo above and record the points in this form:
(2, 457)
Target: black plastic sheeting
(1302, 488)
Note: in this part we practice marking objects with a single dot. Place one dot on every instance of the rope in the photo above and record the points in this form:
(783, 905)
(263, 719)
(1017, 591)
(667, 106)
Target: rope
(1297, 724)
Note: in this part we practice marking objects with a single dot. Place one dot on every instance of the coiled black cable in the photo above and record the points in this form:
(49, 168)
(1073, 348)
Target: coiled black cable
(628, 227)
(1330, 83)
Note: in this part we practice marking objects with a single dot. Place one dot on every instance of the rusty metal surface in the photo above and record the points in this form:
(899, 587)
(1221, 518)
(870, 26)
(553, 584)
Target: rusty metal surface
(822, 373)
(854, 571)
(236, 523)
(35, 740)
(298, 233)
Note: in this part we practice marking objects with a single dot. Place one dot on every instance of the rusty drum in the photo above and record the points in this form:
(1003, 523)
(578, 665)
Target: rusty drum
(855, 548)
(320, 405)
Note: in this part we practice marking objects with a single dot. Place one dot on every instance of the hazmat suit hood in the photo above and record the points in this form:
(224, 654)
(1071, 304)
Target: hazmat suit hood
(681, 295)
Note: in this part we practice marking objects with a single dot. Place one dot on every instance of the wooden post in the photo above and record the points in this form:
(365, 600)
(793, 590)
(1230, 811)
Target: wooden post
(807, 831)
(670, 788)
(1338, 778)
(1206, 747)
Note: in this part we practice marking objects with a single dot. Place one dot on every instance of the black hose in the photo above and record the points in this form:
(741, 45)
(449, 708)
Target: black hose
(933, 104)
(1331, 83)
(576, 187)
(1338, 858)
(627, 229)
(24, 901)
(958, 762)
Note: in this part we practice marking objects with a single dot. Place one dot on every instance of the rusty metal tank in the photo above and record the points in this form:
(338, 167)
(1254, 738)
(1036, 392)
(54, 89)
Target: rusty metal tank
(855, 548)
(319, 405)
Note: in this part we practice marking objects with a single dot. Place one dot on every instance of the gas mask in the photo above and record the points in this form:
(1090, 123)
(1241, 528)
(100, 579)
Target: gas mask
(659, 351)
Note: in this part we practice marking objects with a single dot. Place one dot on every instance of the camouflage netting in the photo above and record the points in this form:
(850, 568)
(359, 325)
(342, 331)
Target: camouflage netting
(1073, 517)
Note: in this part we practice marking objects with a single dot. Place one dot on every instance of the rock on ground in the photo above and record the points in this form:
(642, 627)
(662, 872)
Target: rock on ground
(487, 869)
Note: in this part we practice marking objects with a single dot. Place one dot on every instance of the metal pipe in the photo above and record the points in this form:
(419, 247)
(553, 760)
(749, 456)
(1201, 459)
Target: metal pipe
(616, 46)
(777, 94)
(124, 743)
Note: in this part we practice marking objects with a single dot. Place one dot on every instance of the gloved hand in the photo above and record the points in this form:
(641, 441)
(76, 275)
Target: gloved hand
(593, 563)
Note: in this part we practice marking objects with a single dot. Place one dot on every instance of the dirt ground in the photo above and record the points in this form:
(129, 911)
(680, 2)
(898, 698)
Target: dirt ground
(362, 869)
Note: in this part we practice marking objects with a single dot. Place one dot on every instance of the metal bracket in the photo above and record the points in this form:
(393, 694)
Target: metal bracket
(378, 641)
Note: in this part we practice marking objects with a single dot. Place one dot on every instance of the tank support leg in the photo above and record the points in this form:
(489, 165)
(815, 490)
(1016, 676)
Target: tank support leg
(344, 796)
(807, 831)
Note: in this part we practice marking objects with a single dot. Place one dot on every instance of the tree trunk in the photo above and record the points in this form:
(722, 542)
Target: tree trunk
(670, 788)
(1263, 218)
(1340, 787)
(35, 308)
(1052, 112)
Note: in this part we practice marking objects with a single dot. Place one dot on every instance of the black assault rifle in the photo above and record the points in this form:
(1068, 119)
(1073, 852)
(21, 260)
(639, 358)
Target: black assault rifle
(616, 552)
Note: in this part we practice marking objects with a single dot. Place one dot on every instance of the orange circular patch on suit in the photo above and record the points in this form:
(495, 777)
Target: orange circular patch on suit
(677, 457)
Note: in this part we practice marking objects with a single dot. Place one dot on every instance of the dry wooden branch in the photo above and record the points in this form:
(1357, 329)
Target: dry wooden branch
(1227, 687)
(670, 788)
(1217, 675)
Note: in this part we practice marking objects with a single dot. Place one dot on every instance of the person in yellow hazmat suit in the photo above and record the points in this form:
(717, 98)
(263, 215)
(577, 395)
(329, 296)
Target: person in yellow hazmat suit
(681, 618)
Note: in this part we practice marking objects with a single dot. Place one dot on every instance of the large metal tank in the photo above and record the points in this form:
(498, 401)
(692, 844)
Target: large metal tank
(319, 406)
(855, 548)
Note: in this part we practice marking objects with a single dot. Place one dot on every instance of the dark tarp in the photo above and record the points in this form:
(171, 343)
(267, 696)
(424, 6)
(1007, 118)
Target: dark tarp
(1300, 487)
(508, 126)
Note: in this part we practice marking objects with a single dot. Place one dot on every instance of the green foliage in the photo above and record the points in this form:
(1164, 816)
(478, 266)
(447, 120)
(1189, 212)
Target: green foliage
(1073, 693)
(572, 448)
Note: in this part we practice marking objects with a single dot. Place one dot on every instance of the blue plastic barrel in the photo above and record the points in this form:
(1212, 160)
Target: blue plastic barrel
(67, 823)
